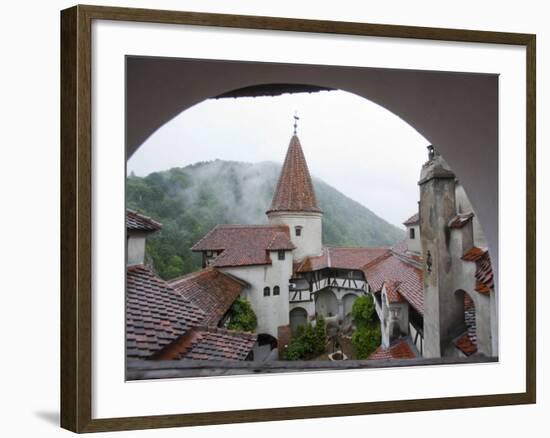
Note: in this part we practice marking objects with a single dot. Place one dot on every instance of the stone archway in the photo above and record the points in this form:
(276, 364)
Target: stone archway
(326, 303)
(458, 113)
(348, 301)
(297, 317)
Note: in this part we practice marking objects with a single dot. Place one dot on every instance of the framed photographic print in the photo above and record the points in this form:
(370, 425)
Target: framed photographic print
(277, 210)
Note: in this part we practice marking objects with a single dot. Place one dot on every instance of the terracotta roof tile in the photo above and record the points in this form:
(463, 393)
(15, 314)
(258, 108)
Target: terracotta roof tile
(464, 343)
(401, 249)
(211, 291)
(342, 258)
(402, 349)
(409, 276)
(156, 314)
(209, 343)
(294, 190)
(392, 291)
(138, 222)
(243, 245)
(460, 220)
(414, 219)
(484, 271)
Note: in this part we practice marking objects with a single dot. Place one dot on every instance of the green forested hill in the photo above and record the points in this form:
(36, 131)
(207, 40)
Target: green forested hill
(190, 201)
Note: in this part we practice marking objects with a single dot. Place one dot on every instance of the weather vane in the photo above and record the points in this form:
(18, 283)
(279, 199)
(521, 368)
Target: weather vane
(296, 118)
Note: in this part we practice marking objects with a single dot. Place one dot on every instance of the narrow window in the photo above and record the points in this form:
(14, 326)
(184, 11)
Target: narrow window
(298, 230)
(276, 290)
(281, 255)
(411, 233)
(266, 291)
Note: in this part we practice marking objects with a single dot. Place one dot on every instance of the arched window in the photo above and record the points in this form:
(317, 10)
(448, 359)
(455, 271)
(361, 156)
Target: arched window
(266, 291)
(276, 290)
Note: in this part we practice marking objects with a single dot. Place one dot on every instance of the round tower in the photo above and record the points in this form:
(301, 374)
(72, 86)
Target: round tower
(295, 205)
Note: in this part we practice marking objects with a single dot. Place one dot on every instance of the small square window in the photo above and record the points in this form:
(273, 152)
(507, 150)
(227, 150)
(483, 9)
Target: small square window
(281, 255)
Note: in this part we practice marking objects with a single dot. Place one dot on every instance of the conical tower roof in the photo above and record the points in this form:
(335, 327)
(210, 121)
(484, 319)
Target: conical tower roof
(294, 190)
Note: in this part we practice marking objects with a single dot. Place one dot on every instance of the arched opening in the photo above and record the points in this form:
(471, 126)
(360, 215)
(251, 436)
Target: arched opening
(326, 303)
(348, 301)
(298, 317)
(265, 348)
(466, 342)
(470, 101)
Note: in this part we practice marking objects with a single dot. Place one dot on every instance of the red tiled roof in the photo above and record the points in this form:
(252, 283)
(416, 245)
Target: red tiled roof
(401, 249)
(294, 190)
(464, 343)
(243, 245)
(138, 222)
(484, 271)
(460, 220)
(392, 268)
(342, 258)
(400, 350)
(392, 291)
(414, 219)
(210, 290)
(210, 343)
(156, 314)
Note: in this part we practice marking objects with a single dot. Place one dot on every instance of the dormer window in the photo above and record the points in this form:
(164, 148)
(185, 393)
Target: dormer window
(411, 233)
(298, 230)
(281, 254)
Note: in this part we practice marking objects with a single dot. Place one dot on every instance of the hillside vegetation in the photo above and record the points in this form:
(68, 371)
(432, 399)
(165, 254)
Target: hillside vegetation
(190, 201)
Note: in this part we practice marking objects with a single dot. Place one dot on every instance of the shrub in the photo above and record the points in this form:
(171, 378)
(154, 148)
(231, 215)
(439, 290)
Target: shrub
(366, 340)
(241, 316)
(308, 341)
(363, 312)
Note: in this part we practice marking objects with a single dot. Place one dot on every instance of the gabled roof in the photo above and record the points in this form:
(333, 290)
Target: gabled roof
(244, 245)
(393, 268)
(342, 258)
(402, 349)
(460, 220)
(211, 291)
(156, 314)
(414, 219)
(294, 190)
(211, 343)
(392, 291)
(139, 222)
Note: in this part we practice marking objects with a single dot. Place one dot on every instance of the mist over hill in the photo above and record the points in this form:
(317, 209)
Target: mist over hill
(190, 201)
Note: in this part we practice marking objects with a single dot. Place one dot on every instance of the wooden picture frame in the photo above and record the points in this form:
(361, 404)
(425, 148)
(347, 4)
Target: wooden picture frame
(76, 218)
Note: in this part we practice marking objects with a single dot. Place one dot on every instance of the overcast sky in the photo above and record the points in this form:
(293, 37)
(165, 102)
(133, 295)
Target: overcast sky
(358, 147)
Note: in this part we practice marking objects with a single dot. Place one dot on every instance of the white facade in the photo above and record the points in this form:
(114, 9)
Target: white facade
(413, 238)
(272, 311)
(136, 248)
(306, 232)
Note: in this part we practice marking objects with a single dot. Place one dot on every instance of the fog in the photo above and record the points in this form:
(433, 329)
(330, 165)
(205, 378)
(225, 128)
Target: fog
(356, 146)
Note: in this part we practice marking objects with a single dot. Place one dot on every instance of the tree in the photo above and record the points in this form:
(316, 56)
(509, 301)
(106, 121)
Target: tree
(241, 316)
(367, 337)
(308, 342)
(363, 312)
(365, 340)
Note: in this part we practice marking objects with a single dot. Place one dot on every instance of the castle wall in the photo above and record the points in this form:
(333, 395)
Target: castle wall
(272, 311)
(309, 242)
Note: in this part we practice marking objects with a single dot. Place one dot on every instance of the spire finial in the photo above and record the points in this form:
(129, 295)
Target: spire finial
(296, 118)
